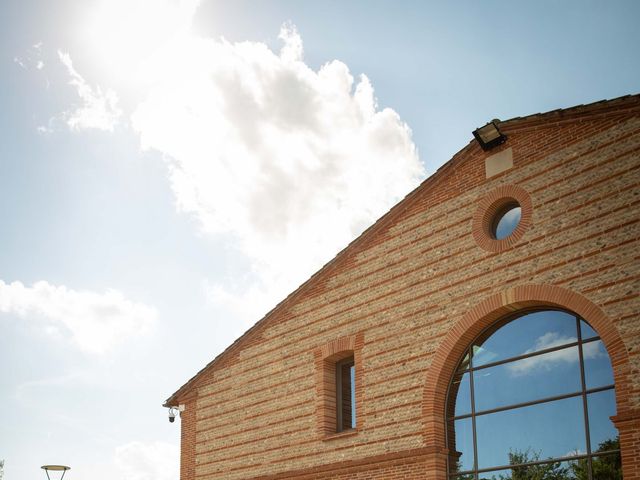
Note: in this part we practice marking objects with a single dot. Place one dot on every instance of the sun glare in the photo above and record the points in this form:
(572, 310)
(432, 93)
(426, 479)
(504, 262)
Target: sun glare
(122, 34)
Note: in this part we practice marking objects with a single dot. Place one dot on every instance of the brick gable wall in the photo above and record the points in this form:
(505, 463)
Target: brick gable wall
(407, 284)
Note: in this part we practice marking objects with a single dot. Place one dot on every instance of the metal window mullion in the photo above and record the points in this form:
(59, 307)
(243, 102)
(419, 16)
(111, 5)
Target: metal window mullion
(352, 388)
(339, 397)
(514, 406)
(473, 415)
(585, 407)
(528, 355)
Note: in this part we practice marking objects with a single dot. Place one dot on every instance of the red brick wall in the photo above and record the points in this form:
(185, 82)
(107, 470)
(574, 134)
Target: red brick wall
(188, 439)
(419, 285)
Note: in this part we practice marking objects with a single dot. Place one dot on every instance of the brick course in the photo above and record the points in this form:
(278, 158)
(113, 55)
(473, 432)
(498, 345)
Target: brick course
(410, 294)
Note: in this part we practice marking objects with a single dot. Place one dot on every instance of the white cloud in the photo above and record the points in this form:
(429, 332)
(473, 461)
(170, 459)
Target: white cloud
(289, 163)
(95, 322)
(292, 163)
(148, 461)
(20, 62)
(44, 129)
(549, 360)
(31, 58)
(98, 110)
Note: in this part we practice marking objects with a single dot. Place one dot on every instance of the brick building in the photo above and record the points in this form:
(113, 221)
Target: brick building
(488, 320)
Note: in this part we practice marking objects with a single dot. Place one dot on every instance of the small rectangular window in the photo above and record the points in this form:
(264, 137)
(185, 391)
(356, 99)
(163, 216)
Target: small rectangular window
(345, 394)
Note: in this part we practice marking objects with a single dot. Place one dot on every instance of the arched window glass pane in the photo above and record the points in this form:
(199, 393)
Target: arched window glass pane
(461, 388)
(464, 445)
(532, 378)
(597, 366)
(529, 333)
(534, 429)
(602, 406)
(586, 331)
(532, 390)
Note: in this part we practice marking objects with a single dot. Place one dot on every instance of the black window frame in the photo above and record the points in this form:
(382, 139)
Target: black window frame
(340, 394)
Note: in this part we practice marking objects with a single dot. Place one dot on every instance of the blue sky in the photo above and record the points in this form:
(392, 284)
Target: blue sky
(161, 188)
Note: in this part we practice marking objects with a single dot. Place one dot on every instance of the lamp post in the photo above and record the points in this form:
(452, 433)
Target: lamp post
(55, 468)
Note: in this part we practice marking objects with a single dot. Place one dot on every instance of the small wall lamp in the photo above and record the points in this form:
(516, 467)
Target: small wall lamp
(489, 136)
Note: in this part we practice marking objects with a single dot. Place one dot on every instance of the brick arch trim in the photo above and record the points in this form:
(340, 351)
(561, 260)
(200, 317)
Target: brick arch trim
(485, 314)
(337, 346)
(487, 209)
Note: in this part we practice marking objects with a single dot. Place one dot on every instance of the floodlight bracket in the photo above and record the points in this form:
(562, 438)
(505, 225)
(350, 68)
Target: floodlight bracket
(490, 135)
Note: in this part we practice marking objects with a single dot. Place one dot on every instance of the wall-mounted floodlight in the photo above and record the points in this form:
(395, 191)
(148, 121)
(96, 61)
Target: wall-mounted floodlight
(55, 468)
(489, 136)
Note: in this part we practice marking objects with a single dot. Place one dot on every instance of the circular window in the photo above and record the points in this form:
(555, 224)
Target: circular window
(502, 218)
(506, 220)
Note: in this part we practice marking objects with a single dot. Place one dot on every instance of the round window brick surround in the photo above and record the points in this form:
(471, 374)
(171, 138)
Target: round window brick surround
(492, 205)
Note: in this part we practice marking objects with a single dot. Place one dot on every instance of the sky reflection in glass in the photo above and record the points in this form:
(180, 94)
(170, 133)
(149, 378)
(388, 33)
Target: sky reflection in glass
(555, 429)
(532, 378)
(463, 398)
(597, 366)
(464, 443)
(508, 222)
(550, 428)
(586, 331)
(530, 333)
(601, 406)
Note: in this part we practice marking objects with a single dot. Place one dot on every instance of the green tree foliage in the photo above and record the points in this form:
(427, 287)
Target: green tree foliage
(608, 467)
(1, 469)
(467, 476)
(545, 471)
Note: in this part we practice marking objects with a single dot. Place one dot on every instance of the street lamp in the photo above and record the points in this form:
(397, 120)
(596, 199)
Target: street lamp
(55, 468)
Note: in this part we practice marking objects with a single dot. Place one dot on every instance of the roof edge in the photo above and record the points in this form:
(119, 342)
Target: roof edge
(563, 114)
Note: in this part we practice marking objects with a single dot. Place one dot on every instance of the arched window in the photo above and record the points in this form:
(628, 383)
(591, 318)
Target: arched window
(531, 400)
